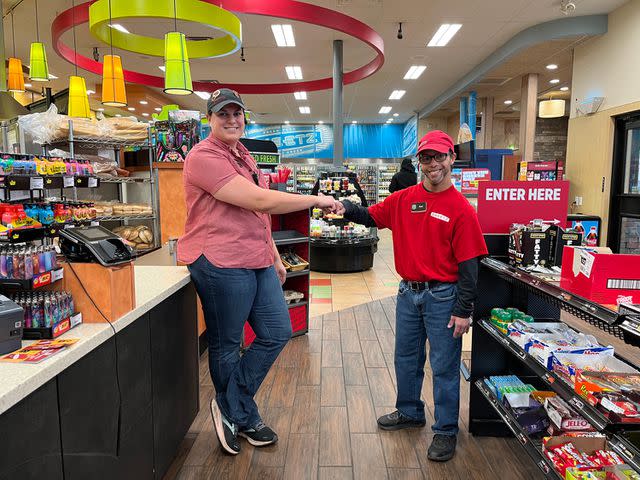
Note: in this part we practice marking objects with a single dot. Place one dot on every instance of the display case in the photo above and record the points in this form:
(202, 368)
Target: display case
(385, 174)
(367, 179)
(305, 177)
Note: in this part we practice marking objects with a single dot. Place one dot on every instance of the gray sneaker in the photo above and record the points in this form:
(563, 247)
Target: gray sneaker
(226, 431)
(442, 448)
(397, 421)
(259, 436)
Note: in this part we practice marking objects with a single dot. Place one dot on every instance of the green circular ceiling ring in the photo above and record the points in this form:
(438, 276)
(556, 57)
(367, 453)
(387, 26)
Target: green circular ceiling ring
(186, 10)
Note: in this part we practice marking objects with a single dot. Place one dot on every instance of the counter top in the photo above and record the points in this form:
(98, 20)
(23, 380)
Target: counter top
(153, 286)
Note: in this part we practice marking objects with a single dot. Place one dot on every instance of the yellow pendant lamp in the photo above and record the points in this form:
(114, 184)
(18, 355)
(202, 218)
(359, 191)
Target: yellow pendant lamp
(15, 78)
(177, 74)
(78, 105)
(38, 66)
(114, 93)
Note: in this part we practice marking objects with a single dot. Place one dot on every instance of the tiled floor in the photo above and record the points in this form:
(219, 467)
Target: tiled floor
(333, 292)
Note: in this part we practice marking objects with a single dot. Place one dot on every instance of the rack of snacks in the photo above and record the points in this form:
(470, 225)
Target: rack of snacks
(305, 177)
(385, 174)
(552, 369)
(368, 180)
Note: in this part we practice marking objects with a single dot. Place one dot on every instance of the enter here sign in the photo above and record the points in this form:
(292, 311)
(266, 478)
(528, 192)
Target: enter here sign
(501, 203)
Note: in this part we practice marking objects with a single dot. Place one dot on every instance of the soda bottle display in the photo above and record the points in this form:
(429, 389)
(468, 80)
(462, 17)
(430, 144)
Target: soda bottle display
(592, 238)
(578, 227)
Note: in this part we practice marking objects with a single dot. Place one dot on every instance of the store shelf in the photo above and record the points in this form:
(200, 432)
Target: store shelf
(288, 237)
(587, 310)
(121, 218)
(297, 304)
(40, 280)
(23, 235)
(626, 450)
(96, 144)
(533, 448)
(124, 179)
(300, 273)
(42, 182)
(594, 416)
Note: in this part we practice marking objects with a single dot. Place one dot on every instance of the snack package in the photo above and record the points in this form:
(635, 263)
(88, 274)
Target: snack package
(521, 332)
(563, 418)
(543, 347)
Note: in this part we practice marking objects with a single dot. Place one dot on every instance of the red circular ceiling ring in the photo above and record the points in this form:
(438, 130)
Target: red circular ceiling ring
(288, 9)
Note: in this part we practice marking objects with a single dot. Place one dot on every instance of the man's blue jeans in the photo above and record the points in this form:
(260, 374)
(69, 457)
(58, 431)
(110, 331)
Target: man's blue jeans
(422, 315)
(230, 297)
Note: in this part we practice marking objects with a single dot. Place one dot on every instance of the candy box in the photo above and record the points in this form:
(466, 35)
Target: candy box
(529, 413)
(576, 473)
(543, 347)
(620, 472)
(619, 407)
(522, 332)
(588, 384)
(566, 365)
(563, 417)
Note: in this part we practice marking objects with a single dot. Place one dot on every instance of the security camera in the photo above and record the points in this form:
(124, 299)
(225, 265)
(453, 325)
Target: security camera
(400, 31)
(567, 8)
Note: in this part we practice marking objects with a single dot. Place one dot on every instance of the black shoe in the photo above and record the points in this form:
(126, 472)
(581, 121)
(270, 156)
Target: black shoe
(259, 436)
(398, 421)
(226, 431)
(442, 448)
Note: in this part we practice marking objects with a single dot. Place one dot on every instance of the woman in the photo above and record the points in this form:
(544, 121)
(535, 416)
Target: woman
(235, 267)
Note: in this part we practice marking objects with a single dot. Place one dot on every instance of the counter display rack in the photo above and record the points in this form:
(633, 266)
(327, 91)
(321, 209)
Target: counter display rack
(495, 354)
(38, 281)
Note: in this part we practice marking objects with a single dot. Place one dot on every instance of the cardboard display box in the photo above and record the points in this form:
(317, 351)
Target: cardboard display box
(529, 246)
(559, 239)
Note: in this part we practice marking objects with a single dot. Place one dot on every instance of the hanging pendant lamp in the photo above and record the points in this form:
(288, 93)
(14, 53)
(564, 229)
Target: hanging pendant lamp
(78, 105)
(177, 73)
(15, 78)
(551, 108)
(114, 93)
(38, 66)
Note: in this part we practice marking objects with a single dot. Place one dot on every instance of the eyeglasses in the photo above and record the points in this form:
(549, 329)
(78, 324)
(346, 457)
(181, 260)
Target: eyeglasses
(426, 158)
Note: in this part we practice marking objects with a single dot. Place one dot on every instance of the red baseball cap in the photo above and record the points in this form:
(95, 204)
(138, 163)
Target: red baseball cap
(436, 140)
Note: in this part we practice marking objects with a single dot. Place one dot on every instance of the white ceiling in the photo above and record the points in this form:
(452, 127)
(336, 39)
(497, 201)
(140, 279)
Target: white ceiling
(487, 24)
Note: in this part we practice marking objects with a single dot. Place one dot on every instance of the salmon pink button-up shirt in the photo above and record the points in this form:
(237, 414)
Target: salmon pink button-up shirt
(227, 235)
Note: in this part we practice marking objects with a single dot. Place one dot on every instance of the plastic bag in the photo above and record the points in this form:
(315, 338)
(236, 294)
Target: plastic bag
(40, 125)
(464, 134)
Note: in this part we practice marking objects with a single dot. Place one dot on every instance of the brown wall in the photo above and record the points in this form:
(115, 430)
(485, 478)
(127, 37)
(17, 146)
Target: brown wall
(551, 139)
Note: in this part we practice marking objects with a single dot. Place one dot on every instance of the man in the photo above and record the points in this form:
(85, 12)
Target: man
(436, 241)
(405, 178)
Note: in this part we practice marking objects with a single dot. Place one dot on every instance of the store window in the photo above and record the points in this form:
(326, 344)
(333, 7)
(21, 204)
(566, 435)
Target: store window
(630, 235)
(632, 162)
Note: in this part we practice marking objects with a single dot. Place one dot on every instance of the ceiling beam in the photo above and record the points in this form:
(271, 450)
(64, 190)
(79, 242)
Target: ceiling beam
(588, 25)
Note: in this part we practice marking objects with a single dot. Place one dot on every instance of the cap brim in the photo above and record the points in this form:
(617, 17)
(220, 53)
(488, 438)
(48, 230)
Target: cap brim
(438, 147)
(219, 106)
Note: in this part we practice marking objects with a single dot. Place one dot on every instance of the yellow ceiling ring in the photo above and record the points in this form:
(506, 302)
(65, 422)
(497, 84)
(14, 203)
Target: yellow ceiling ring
(186, 10)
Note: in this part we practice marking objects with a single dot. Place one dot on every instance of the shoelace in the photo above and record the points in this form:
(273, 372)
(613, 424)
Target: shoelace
(232, 426)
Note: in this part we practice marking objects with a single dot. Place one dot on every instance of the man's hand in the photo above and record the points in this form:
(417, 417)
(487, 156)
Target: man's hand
(280, 270)
(462, 325)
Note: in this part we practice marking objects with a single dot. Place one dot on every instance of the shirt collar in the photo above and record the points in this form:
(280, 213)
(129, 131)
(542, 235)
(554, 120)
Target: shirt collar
(242, 150)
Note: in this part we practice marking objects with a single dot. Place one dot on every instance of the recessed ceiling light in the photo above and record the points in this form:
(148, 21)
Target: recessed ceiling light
(508, 102)
(320, 122)
(143, 102)
(131, 109)
(52, 77)
(89, 92)
(564, 89)
(397, 94)
(300, 95)
(29, 85)
(120, 28)
(414, 72)
(444, 34)
(554, 81)
(384, 109)
(354, 121)
(158, 109)
(305, 110)
(552, 66)
(252, 121)
(100, 109)
(145, 114)
(118, 115)
(396, 114)
(283, 35)
(286, 122)
(294, 72)
(203, 95)
(161, 67)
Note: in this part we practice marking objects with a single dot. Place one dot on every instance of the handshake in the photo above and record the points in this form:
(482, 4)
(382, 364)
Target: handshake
(329, 204)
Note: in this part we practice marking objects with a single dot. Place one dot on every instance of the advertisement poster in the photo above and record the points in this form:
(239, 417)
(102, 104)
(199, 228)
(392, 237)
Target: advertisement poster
(466, 179)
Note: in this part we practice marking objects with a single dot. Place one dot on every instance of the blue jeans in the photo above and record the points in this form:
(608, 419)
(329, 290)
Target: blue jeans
(422, 315)
(230, 297)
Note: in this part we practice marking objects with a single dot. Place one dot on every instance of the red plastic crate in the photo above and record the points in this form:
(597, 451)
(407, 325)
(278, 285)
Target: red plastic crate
(299, 325)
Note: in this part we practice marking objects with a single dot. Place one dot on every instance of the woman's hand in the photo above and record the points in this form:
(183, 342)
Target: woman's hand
(325, 202)
(280, 270)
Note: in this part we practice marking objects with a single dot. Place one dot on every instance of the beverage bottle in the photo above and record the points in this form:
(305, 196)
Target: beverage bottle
(578, 227)
(592, 238)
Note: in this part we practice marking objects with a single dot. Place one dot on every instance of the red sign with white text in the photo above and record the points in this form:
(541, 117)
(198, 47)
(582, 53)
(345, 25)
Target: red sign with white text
(501, 203)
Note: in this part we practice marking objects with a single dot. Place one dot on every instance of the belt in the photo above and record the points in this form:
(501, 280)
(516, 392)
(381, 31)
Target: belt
(419, 286)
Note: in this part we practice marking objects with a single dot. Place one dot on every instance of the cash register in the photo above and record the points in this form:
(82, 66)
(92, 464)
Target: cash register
(94, 244)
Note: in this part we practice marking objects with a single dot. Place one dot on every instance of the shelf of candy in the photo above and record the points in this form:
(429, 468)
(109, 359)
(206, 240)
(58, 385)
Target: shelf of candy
(305, 178)
(339, 187)
(367, 179)
(139, 237)
(385, 173)
(335, 227)
(47, 314)
(28, 267)
(29, 172)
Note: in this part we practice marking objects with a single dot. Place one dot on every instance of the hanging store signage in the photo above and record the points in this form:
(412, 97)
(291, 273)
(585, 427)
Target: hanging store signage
(502, 203)
(266, 158)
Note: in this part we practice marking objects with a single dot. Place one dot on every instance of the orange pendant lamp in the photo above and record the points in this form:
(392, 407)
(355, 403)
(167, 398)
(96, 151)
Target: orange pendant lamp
(15, 78)
(114, 93)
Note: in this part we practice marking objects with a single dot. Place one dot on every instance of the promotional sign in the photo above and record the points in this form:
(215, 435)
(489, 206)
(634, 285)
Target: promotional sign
(466, 179)
(502, 203)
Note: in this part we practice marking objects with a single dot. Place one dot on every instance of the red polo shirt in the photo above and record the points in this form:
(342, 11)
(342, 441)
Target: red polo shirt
(229, 236)
(432, 232)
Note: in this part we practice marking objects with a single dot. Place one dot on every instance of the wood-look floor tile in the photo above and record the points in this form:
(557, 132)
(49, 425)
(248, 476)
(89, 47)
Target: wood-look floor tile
(306, 410)
(399, 450)
(205, 395)
(368, 459)
(335, 473)
(302, 457)
(350, 341)
(183, 452)
(405, 474)
(332, 388)
(355, 373)
(310, 369)
(331, 353)
(335, 443)
(204, 443)
(315, 322)
(330, 330)
(387, 340)
(187, 473)
(279, 419)
(390, 361)
(315, 341)
(283, 390)
(382, 389)
(378, 317)
(347, 319)
(362, 416)
(261, 472)
(365, 326)
(496, 452)
(372, 354)
(222, 465)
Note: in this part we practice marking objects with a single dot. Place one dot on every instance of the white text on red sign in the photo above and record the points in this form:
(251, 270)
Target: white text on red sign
(522, 194)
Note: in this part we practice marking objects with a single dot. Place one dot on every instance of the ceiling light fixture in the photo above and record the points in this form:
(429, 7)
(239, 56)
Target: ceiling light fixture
(444, 34)
(384, 109)
(28, 85)
(38, 66)
(158, 109)
(90, 92)
(300, 95)
(305, 110)
(118, 115)
(78, 103)
(554, 81)
(354, 121)
(397, 94)
(320, 122)
(52, 77)
(389, 120)
(131, 109)
(143, 102)
(283, 35)
(294, 72)
(145, 114)
(119, 27)
(396, 114)
(286, 122)
(564, 89)
(15, 78)
(508, 102)
(100, 109)
(551, 108)
(414, 72)
(552, 66)
(114, 93)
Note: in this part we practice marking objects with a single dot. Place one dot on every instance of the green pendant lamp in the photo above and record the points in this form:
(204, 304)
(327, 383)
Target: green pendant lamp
(177, 74)
(39, 68)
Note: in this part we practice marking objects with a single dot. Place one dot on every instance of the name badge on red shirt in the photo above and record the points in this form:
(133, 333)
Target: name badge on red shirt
(419, 207)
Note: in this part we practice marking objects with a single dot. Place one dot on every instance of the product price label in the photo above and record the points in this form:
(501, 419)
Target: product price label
(93, 182)
(36, 183)
(68, 182)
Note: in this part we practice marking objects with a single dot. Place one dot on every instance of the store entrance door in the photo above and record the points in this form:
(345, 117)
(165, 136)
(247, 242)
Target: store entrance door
(624, 210)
